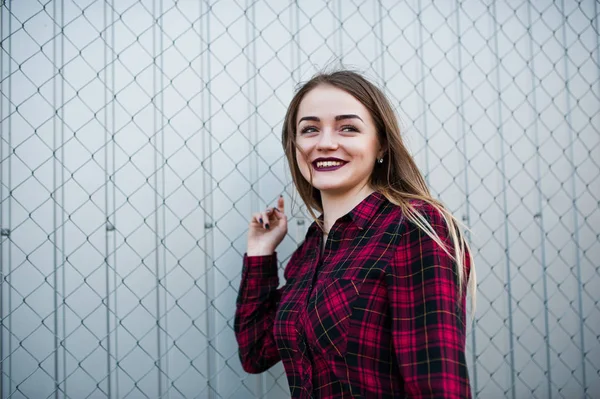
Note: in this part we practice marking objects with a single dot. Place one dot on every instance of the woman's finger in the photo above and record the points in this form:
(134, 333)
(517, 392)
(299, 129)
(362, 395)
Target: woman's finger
(257, 218)
(265, 220)
(277, 213)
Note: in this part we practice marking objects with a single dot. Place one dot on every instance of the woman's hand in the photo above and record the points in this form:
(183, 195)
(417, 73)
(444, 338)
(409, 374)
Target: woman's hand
(267, 229)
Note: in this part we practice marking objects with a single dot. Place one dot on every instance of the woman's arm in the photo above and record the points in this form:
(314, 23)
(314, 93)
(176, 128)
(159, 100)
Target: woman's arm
(428, 317)
(257, 302)
(256, 306)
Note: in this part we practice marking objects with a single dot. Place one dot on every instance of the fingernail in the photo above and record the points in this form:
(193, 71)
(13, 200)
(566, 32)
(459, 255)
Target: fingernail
(276, 210)
(260, 220)
(267, 226)
(280, 195)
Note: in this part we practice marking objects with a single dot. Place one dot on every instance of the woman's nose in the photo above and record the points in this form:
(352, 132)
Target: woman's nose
(327, 141)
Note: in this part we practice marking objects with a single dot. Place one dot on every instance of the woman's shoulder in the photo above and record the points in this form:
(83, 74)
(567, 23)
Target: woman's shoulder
(421, 211)
(423, 207)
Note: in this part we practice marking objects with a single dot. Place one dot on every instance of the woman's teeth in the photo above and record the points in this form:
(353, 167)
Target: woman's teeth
(328, 164)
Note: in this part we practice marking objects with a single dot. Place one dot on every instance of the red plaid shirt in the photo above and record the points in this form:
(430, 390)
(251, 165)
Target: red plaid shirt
(376, 315)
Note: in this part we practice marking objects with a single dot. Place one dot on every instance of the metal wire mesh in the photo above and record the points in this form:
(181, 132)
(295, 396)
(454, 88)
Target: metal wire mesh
(138, 136)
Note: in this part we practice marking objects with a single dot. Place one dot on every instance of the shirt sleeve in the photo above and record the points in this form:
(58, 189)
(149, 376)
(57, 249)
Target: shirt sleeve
(428, 317)
(256, 305)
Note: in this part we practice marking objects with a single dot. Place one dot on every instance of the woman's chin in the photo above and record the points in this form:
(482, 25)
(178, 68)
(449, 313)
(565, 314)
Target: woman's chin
(333, 188)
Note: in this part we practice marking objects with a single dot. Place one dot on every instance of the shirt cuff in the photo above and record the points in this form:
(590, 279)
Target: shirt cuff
(259, 279)
(263, 266)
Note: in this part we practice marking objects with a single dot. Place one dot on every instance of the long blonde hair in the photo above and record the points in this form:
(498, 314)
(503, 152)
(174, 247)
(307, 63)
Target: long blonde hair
(398, 178)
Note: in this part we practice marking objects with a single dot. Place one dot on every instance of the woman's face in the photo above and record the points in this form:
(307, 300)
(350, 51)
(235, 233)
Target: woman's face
(338, 138)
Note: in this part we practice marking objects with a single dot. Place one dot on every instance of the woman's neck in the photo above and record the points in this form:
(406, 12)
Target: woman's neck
(336, 206)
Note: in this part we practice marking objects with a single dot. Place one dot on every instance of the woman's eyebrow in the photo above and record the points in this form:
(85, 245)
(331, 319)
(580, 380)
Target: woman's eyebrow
(348, 116)
(337, 118)
(309, 118)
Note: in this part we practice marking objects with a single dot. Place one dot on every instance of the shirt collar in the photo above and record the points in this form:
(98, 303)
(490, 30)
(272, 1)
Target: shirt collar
(362, 213)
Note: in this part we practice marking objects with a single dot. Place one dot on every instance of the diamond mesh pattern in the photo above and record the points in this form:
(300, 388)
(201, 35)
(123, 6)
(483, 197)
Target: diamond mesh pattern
(138, 136)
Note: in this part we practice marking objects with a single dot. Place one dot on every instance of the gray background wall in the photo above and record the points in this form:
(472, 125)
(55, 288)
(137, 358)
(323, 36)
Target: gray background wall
(138, 137)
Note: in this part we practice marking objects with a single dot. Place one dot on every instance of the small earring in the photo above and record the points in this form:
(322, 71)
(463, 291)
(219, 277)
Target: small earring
(380, 160)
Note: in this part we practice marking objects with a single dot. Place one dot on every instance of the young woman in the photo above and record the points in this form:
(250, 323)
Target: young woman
(374, 300)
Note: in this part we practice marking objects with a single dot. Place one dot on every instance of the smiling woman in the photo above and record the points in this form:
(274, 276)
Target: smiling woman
(337, 139)
(374, 300)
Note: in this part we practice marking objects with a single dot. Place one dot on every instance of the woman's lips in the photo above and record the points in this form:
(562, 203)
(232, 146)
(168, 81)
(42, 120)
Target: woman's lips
(327, 166)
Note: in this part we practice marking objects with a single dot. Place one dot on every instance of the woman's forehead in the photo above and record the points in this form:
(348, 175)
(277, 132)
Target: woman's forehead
(327, 102)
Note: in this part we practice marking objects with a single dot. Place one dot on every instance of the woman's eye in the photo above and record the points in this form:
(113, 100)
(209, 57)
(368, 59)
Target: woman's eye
(308, 129)
(349, 128)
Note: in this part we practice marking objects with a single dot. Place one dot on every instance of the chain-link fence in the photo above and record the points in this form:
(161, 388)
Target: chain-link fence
(138, 137)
